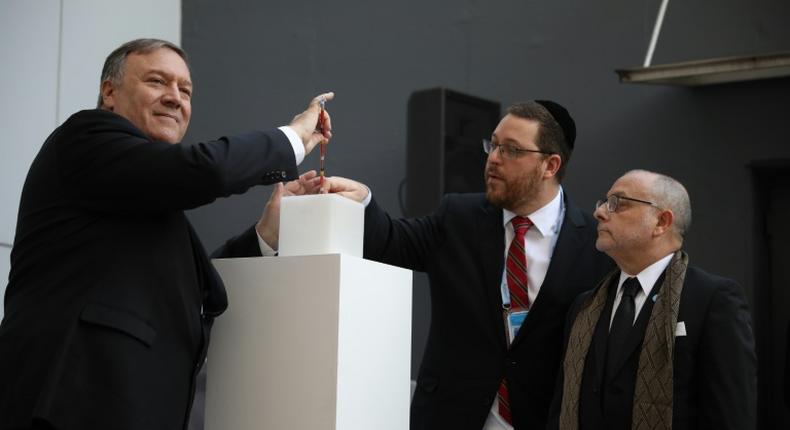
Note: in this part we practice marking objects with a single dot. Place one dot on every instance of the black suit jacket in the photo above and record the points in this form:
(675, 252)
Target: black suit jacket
(461, 248)
(714, 368)
(110, 293)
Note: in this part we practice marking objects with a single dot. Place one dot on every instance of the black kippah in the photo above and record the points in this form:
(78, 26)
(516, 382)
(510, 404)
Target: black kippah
(563, 118)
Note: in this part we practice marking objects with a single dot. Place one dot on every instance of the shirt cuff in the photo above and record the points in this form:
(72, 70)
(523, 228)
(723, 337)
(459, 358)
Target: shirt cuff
(296, 143)
(266, 250)
(367, 199)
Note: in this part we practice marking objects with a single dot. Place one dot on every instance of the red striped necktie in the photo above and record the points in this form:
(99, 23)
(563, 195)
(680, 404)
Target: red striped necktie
(516, 266)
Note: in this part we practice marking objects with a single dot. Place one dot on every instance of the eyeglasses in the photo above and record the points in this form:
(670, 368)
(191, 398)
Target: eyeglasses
(509, 151)
(613, 202)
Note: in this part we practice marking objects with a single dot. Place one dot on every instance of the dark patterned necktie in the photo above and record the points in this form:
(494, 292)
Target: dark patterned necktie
(622, 323)
(516, 267)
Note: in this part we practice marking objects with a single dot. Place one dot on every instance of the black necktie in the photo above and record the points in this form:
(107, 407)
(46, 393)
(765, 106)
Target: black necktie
(622, 323)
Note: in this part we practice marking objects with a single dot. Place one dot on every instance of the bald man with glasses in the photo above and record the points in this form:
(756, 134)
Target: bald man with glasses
(658, 344)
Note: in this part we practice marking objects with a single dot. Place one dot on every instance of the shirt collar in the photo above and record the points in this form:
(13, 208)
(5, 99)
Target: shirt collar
(649, 275)
(545, 219)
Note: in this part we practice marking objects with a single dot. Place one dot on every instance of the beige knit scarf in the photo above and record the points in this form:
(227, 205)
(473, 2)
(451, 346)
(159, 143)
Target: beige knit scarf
(652, 407)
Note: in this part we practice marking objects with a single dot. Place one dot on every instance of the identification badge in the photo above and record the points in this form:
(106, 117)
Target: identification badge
(514, 322)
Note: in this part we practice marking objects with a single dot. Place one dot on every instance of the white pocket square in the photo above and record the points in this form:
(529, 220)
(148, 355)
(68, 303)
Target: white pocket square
(680, 329)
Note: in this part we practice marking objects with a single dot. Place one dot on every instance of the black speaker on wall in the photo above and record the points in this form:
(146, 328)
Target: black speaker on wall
(444, 152)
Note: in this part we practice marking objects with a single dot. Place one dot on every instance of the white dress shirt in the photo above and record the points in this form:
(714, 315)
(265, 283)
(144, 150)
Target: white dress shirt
(647, 278)
(539, 242)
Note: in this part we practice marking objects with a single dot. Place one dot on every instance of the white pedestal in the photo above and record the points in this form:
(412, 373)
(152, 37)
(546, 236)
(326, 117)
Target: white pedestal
(311, 343)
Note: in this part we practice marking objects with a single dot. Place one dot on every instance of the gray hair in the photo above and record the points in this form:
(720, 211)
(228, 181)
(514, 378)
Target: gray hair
(670, 194)
(114, 64)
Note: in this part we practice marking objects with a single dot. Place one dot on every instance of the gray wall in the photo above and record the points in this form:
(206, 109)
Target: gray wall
(256, 64)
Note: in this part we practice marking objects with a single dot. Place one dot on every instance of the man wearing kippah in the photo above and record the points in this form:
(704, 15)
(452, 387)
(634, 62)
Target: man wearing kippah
(504, 267)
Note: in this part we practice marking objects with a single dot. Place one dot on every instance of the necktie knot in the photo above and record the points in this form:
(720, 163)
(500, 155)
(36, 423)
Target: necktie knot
(631, 287)
(521, 225)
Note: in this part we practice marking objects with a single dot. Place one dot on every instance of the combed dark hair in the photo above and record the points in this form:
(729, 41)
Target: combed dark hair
(113, 65)
(550, 135)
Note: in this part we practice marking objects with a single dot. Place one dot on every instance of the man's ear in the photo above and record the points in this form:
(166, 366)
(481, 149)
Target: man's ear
(553, 164)
(107, 90)
(666, 219)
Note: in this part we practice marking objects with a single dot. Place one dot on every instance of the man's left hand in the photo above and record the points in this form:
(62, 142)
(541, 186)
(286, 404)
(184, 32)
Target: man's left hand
(268, 226)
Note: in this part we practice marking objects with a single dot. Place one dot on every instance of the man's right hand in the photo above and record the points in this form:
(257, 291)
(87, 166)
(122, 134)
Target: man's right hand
(345, 187)
(310, 126)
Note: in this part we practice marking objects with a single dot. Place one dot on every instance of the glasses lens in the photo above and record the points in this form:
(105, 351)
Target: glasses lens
(486, 146)
(611, 203)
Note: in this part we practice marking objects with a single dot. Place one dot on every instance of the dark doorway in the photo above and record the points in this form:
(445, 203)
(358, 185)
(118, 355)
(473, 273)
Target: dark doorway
(772, 291)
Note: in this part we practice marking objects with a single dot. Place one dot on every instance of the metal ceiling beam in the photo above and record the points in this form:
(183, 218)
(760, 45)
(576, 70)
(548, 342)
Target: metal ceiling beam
(711, 71)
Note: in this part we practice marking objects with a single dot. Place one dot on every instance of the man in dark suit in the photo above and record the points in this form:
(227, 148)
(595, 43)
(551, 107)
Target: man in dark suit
(111, 296)
(658, 344)
(492, 354)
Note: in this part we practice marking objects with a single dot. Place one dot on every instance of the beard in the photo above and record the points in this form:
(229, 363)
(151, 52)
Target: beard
(512, 193)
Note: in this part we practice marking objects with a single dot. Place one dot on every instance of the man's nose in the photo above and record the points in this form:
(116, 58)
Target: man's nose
(495, 156)
(172, 97)
(601, 213)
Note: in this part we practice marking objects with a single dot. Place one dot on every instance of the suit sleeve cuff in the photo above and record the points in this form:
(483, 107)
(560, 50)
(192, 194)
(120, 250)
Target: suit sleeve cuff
(296, 143)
